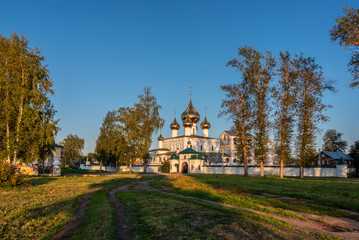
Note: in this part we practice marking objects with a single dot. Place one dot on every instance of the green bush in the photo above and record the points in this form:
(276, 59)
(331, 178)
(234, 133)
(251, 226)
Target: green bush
(10, 175)
(165, 168)
(353, 175)
(272, 176)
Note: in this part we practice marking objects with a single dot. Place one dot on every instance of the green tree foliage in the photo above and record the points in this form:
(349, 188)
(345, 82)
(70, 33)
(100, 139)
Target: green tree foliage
(333, 141)
(130, 128)
(107, 143)
(354, 153)
(346, 32)
(257, 72)
(297, 96)
(73, 147)
(27, 125)
(311, 88)
(126, 134)
(150, 120)
(238, 106)
(284, 94)
(165, 167)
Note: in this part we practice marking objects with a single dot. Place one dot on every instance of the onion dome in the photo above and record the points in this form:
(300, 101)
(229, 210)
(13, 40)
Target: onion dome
(205, 124)
(190, 113)
(174, 125)
(160, 138)
(187, 122)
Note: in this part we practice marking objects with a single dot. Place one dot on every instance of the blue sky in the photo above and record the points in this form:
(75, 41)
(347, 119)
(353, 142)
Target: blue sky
(102, 53)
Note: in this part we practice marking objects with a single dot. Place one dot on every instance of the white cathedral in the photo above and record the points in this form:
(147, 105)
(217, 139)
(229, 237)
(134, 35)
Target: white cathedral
(189, 152)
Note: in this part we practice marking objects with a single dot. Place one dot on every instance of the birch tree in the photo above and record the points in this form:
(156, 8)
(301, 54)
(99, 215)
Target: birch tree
(311, 88)
(150, 120)
(129, 126)
(107, 143)
(257, 73)
(27, 115)
(285, 98)
(238, 107)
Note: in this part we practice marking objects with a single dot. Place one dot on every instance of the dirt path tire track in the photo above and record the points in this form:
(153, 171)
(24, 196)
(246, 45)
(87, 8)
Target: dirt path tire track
(336, 227)
(332, 226)
(71, 226)
(122, 230)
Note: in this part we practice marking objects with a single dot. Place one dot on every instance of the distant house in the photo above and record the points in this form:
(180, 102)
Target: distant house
(327, 158)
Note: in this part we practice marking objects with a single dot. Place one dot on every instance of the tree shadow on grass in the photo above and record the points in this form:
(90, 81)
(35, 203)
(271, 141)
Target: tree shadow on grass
(39, 180)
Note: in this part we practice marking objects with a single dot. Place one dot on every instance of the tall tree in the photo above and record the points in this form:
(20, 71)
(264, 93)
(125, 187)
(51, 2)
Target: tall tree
(311, 88)
(257, 72)
(129, 126)
(346, 32)
(354, 153)
(108, 139)
(284, 94)
(27, 115)
(150, 120)
(333, 141)
(73, 147)
(238, 107)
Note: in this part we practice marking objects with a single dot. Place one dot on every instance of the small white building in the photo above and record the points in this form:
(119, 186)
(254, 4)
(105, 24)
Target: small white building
(187, 161)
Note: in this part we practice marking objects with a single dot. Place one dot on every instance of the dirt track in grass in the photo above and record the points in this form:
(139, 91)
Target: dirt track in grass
(333, 226)
(68, 230)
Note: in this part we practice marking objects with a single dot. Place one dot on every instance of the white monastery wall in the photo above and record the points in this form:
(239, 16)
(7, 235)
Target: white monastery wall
(338, 171)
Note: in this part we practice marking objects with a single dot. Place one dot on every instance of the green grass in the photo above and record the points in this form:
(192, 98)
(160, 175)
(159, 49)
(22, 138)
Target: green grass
(99, 220)
(45, 204)
(42, 206)
(154, 215)
(320, 196)
(65, 171)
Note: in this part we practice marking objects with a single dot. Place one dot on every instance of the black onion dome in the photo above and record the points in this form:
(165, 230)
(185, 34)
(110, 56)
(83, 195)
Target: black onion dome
(190, 113)
(187, 122)
(160, 138)
(205, 124)
(175, 125)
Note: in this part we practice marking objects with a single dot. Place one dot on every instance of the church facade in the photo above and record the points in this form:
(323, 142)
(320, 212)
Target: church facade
(201, 144)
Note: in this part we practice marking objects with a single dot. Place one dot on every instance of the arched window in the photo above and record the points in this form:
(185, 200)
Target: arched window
(201, 147)
(234, 141)
(212, 148)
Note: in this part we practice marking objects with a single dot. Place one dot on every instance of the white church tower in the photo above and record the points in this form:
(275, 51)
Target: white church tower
(190, 117)
(205, 125)
(175, 126)
(160, 141)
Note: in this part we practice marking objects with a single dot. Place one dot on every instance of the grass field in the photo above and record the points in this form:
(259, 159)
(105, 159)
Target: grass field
(44, 205)
(316, 196)
(65, 171)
